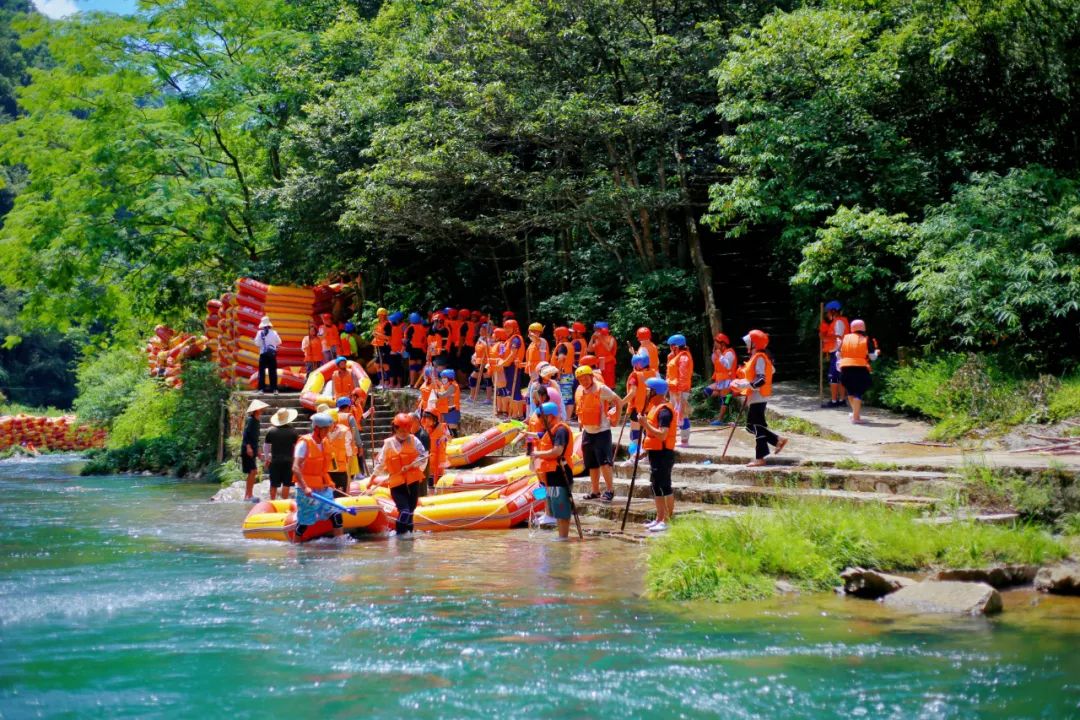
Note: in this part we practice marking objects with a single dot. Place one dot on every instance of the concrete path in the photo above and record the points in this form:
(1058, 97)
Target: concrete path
(800, 400)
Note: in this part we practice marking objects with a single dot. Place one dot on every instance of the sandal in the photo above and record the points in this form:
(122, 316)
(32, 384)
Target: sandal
(591, 496)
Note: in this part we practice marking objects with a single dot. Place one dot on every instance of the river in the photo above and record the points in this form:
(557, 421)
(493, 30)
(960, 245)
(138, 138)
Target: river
(136, 597)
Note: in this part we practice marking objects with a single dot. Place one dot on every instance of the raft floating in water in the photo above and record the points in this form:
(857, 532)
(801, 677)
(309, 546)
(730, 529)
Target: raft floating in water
(499, 509)
(276, 519)
(501, 473)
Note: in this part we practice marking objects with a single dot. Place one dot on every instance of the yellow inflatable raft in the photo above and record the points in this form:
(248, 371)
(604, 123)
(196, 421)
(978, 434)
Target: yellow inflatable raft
(276, 519)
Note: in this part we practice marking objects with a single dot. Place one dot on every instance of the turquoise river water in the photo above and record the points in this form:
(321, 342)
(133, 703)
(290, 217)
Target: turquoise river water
(136, 597)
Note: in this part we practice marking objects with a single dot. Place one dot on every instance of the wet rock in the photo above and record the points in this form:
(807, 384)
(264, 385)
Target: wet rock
(956, 598)
(1061, 579)
(871, 584)
(785, 588)
(235, 492)
(999, 576)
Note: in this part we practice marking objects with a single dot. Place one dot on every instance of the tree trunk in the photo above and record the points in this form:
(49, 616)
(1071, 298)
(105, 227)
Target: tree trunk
(693, 240)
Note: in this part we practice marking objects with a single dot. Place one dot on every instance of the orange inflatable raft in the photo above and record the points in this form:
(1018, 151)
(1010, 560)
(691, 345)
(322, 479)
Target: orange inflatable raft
(276, 519)
(471, 448)
(312, 394)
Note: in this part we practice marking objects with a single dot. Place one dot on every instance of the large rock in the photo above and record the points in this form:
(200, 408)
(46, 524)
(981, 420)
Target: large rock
(1062, 579)
(871, 584)
(957, 598)
(235, 492)
(999, 576)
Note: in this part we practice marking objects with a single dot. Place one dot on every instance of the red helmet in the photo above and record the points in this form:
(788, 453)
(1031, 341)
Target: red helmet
(500, 334)
(757, 339)
(477, 316)
(327, 317)
(510, 326)
(403, 421)
(561, 332)
(463, 314)
(452, 314)
(589, 360)
(578, 327)
(437, 316)
(722, 338)
(507, 314)
(644, 333)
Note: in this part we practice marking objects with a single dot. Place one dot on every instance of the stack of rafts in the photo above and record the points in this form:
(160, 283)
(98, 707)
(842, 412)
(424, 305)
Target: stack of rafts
(232, 323)
(167, 349)
(53, 433)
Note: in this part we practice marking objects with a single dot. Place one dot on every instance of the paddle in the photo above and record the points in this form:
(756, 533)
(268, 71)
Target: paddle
(331, 503)
(569, 473)
(734, 425)
(633, 479)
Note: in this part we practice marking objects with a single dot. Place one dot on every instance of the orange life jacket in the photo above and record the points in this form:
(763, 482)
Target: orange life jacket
(830, 339)
(668, 441)
(344, 346)
(343, 383)
(435, 343)
(443, 404)
(437, 460)
(454, 326)
(566, 363)
(315, 464)
(535, 354)
(425, 395)
(654, 355)
(636, 382)
(749, 374)
(397, 338)
(397, 455)
(379, 337)
(855, 351)
(469, 338)
(480, 351)
(339, 447)
(330, 336)
(514, 356)
(721, 373)
(546, 442)
(588, 405)
(606, 347)
(680, 370)
(312, 349)
(419, 336)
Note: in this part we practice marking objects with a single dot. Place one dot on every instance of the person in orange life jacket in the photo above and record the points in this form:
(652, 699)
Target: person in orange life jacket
(597, 407)
(438, 438)
(398, 360)
(855, 358)
(551, 460)
(470, 331)
(480, 360)
(438, 339)
(344, 379)
(832, 332)
(380, 340)
(268, 342)
(311, 473)
(415, 346)
(680, 376)
(636, 394)
(604, 347)
(351, 416)
(249, 447)
(346, 344)
(725, 365)
(658, 420)
(563, 357)
(446, 399)
(756, 385)
(497, 357)
(312, 347)
(403, 458)
(513, 364)
(330, 337)
(427, 388)
(648, 347)
(537, 352)
(341, 443)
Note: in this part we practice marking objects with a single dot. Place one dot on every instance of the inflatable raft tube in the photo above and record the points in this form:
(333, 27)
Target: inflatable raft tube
(499, 509)
(276, 520)
(471, 448)
(311, 396)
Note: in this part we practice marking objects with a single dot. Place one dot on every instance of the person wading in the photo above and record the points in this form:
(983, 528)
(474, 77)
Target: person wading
(551, 460)
(658, 422)
(403, 458)
(249, 447)
(597, 407)
(854, 363)
(756, 383)
(279, 446)
(311, 473)
(832, 333)
(680, 376)
(268, 342)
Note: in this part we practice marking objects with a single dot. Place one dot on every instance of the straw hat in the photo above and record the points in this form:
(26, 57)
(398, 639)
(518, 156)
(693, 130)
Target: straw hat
(322, 408)
(284, 416)
(549, 371)
(256, 405)
(265, 322)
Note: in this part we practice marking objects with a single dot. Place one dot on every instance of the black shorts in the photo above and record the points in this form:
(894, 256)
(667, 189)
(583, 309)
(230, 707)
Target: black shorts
(247, 464)
(341, 480)
(856, 380)
(660, 464)
(281, 474)
(417, 354)
(596, 449)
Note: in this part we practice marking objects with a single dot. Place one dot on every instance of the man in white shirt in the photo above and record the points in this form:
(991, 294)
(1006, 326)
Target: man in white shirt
(268, 341)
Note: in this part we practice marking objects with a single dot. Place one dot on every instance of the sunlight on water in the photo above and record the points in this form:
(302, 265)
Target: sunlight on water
(135, 597)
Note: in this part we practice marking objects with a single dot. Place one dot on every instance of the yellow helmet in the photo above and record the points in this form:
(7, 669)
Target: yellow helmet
(583, 370)
(382, 312)
(536, 327)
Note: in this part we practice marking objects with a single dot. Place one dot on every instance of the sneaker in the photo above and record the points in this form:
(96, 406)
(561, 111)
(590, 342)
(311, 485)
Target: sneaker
(651, 523)
(546, 520)
(717, 423)
(828, 404)
(658, 527)
(607, 496)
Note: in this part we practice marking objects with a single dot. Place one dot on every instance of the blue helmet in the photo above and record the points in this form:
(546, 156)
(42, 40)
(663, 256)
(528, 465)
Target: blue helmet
(657, 385)
(349, 327)
(396, 317)
(448, 374)
(640, 360)
(548, 408)
(340, 359)
(833, 305)
(600, 325)
(321, 420)
(414, 317)
(677, 340)
(344, 402)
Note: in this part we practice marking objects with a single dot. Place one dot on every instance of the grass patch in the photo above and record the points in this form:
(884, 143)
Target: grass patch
(809, 544)
(789, 424)
(1050, 496)
(11, 408)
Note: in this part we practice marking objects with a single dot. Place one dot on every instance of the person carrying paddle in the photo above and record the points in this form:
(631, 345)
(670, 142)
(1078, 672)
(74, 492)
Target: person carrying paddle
(658, 422)
(311, 473)
(551, 460)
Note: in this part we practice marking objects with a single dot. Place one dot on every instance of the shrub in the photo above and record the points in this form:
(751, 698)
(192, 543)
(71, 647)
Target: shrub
(107, 383)
(1051, 496)
(195, 422)
(147, 415)
(1065, 399)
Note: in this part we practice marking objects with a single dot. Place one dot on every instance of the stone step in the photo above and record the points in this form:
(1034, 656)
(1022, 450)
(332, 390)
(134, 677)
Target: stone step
(644, 510)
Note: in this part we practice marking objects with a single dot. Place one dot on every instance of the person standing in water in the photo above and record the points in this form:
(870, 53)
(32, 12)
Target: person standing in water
(311, 473)
(249, 447)
(279, 445)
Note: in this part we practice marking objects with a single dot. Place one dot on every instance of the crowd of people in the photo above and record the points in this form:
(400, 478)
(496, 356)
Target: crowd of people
(548, 383)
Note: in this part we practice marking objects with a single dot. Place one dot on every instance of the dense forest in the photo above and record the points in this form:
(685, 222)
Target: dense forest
(615, 159)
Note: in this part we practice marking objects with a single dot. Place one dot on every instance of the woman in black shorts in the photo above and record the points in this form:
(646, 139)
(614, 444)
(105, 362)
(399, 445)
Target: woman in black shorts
(854, 362)
(280, 443)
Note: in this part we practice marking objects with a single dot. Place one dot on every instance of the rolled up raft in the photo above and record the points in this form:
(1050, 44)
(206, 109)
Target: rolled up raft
(501, 473)
(276, 519)
(499, 509)
(311, 396)
(471, 448)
